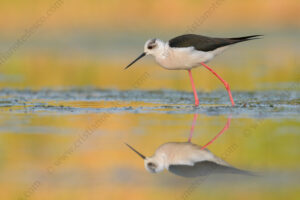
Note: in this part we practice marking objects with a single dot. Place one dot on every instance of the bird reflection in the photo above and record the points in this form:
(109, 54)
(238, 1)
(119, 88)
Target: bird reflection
(188, 159)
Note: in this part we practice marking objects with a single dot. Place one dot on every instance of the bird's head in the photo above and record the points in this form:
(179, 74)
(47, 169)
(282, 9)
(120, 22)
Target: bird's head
(152, 47)
(152, 164)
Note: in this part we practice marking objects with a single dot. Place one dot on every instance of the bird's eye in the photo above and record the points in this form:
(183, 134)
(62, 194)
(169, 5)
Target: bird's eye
(151, 165)
(152, 45)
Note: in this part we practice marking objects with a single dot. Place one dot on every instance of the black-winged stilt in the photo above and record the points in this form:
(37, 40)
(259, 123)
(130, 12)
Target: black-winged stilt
(189, 51)
(187, 159)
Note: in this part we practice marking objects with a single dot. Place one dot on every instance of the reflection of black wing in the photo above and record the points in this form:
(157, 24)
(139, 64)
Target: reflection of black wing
(204, 168)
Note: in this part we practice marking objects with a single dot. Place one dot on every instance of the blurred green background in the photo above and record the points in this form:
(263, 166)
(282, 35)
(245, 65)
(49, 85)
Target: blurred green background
(78, 43)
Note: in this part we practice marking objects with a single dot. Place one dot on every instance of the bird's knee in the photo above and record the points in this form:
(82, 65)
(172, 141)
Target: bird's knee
(226, 85)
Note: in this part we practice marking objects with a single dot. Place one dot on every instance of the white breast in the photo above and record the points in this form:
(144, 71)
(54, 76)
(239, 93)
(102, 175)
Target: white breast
(184, 58)
(177, 153)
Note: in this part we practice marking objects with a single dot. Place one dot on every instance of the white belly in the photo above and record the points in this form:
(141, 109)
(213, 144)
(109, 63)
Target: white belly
(185, 58)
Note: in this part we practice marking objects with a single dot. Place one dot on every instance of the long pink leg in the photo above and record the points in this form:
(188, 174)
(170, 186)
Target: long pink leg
(193, 127)
(194, 89)
(223, 81)
(220, 133)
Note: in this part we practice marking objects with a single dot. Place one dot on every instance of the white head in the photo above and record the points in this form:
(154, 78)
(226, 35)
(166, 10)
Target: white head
(152, 164)
(152, 47)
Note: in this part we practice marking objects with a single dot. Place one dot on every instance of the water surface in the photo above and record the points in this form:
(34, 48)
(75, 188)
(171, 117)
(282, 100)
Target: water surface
(69, 143)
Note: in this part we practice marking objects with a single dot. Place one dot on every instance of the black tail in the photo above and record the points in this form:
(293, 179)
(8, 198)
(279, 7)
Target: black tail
(245, 38)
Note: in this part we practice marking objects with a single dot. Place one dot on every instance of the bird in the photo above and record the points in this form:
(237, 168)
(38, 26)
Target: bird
(186, 159)
(189, 51)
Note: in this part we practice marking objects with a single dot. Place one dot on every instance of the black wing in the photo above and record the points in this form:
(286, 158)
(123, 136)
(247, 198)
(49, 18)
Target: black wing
(204, 168)
(204, 43)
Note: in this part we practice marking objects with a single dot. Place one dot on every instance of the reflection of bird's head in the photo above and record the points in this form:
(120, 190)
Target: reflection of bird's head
(154, 164)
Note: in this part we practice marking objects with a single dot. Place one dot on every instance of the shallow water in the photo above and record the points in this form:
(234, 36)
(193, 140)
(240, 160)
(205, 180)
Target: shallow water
(69, 143)
(81, 101)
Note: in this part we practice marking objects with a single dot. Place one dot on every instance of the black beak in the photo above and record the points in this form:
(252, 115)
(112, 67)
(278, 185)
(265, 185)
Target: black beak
(142, 55)
(141, 155)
